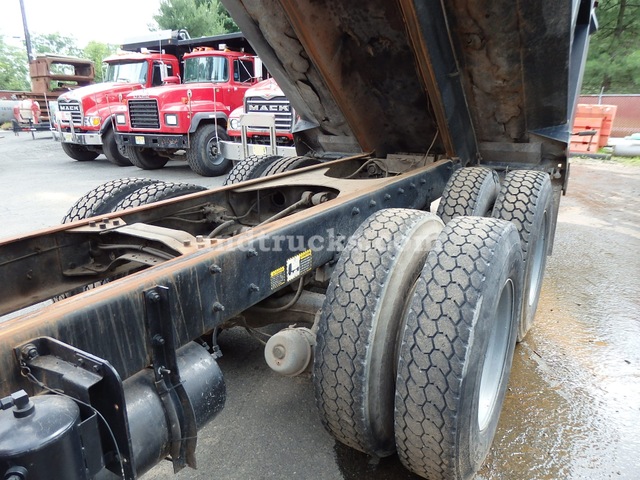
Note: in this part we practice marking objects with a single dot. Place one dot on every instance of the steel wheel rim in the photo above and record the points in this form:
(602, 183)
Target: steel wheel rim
(213, 150)
(495, 356)
(537, 260)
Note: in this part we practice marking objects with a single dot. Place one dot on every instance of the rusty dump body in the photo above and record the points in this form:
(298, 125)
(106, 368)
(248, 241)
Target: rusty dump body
(489, 80)
(404, 91)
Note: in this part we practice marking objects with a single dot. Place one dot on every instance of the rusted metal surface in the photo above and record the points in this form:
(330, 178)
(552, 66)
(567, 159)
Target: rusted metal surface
(43, 76)
(212, 284)
(380, 62)
(348, 66)
(44, 264)
(516, 79)
(429, 34)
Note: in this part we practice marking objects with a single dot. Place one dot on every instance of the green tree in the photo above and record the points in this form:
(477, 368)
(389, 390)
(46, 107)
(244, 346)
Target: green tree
(97, 52)
(613, 63)
(200, 17)
(227, 22)
(56, 44)
(14, 71)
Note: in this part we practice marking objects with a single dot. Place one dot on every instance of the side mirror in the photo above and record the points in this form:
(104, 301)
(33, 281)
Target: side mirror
(172, 80)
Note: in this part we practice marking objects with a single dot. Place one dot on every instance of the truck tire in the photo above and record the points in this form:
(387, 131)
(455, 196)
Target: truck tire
(457, 347)
(145, 158)
(286, 164)
(526, 200)
(250, 168)
(115, 153)
(204, 156)
(470, 191)
(156, 192)
(104, 198)
(78, 152)
(356, 350)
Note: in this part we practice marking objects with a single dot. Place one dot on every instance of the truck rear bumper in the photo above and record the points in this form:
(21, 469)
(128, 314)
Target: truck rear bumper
(235, 151)
(77, 137)
(152, 140)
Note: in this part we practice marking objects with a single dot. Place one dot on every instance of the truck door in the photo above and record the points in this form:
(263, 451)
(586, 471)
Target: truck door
(243, 78)
(161, 71)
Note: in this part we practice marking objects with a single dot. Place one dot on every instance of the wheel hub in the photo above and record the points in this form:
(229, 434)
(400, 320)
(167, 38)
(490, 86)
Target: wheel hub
(494, 359)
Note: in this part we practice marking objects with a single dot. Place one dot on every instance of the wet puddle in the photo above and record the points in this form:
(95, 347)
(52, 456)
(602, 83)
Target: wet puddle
(573, 406)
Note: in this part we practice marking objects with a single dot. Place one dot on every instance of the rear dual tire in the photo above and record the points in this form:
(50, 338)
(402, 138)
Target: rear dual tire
(356, 351)
(526, 200)
(265, 166)
(104, 198)
(439, 404)
(470, 191)
(457, 348)
(119, 195)
(249, 168)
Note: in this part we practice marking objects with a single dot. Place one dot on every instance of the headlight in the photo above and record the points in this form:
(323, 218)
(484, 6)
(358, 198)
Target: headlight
(171, 119)
(92, 121)
(234, 124)
(121, 119)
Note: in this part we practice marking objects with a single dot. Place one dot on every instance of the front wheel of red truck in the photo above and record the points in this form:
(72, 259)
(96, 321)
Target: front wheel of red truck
(115, 153)
(145, 158)
(205, 157)
(78, 152)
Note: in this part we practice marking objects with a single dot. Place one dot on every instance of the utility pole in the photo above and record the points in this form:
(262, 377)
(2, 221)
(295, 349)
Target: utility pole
(27, 37)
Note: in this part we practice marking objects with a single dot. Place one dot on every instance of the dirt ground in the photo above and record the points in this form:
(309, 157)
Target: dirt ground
(573, 406)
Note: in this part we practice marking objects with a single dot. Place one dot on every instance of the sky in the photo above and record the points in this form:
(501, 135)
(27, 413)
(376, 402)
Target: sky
(107, 21)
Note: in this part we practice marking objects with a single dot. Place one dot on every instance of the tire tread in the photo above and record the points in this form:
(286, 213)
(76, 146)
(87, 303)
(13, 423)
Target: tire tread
(467, 192)
(286, 164)
(435, 341)
(354, 297)
(104, 198)
(156, 192)
(250, 168)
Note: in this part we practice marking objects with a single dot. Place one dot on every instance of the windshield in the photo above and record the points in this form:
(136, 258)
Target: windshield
(206, 69)
(132, 72)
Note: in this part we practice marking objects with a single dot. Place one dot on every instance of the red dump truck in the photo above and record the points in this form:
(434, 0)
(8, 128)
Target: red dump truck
(86, 115)
(407, 318)
(189, 121)
(84, 125)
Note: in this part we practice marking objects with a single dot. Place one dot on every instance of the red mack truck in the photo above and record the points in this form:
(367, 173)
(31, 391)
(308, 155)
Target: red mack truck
(407, 318)
(189, 121)
(86, 114)
(84, 124)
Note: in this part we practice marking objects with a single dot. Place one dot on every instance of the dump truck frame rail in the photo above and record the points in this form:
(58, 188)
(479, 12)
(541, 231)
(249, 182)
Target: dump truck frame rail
(108, 338)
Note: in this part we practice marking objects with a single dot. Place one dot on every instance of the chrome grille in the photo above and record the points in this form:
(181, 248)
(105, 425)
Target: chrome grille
(279, 106)
(144, 114)
(72, 107)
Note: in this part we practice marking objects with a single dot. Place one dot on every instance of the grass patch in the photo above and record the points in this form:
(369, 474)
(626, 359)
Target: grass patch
(602, 159)
(627, 160)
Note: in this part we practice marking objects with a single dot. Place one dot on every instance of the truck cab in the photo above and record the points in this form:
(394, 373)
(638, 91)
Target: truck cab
(247, 133)
(159, 123)
(84, 125)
